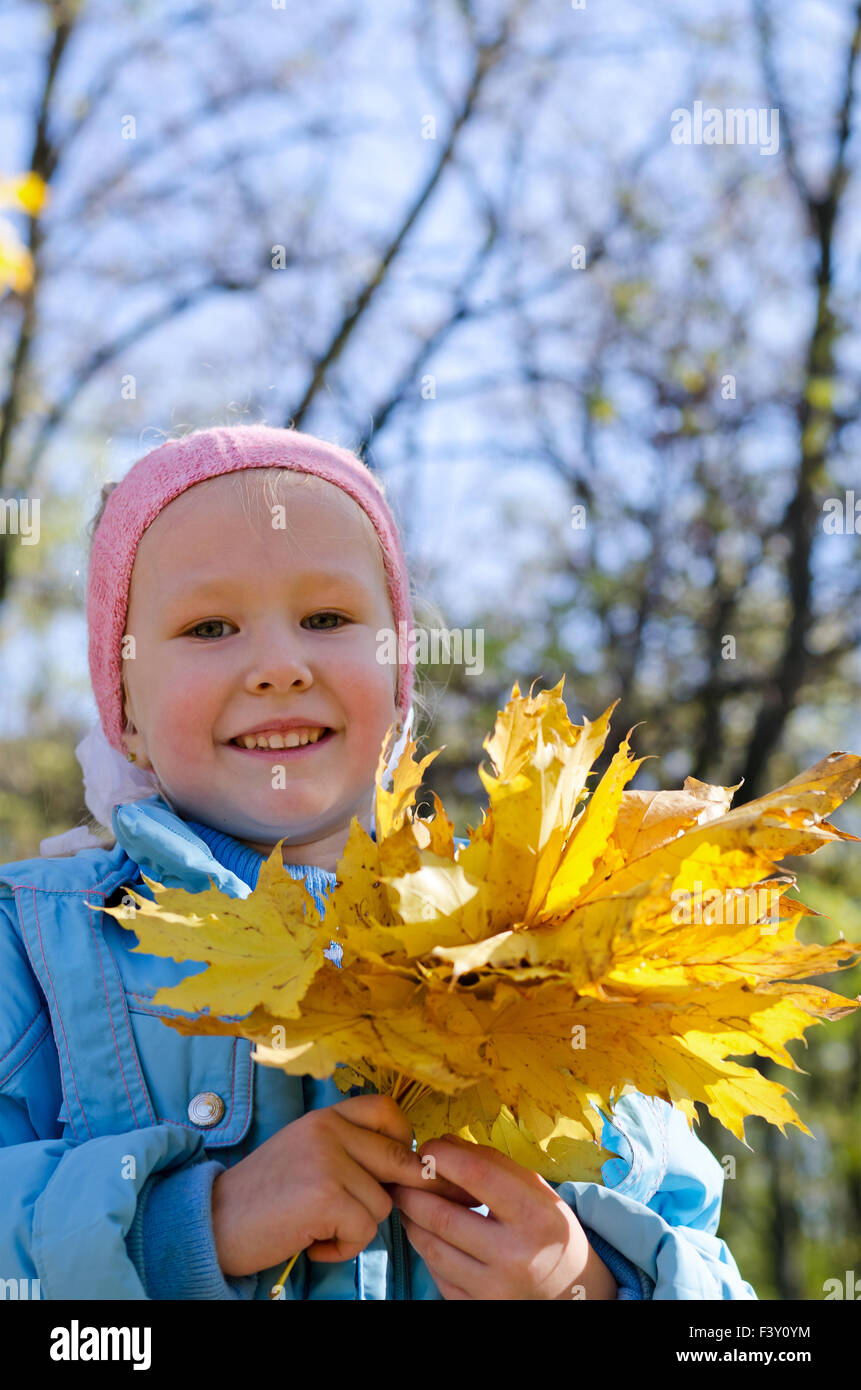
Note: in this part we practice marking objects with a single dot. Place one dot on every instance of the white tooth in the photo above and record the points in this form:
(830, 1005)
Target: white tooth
(303, 739)
(276, 741)
(249, 740)
(291, 740)
(261, 741)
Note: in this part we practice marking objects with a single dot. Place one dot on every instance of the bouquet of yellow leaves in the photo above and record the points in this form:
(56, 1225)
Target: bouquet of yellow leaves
(579, 946)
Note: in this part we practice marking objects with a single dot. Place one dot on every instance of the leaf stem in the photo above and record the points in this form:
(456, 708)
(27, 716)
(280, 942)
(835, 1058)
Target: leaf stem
(277, 1289)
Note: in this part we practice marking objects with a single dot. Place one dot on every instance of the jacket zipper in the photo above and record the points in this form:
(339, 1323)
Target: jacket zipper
(399, 1258)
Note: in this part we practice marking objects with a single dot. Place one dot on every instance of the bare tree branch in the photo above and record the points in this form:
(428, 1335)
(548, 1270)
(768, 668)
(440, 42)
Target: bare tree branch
(816, 432)
(487, 57)
(109, 351)
(40, 163)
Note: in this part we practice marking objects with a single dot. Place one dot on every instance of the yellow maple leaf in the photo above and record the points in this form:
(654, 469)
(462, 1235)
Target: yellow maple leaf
(582, 945)
(264, 954)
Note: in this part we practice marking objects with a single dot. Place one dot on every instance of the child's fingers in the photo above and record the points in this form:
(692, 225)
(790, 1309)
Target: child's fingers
(446, 1259)
(506, 1188)
(442, 1187)
(364, 1187)
(448, 1224)
(379, 1113)
(354, 1234)
(387, 1159)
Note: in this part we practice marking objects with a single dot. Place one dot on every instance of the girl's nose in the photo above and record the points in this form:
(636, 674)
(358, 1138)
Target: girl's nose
(279, 663)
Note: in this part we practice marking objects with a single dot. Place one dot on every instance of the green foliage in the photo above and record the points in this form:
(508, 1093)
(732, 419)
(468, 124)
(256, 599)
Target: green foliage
(819, 1180)
(41, 792)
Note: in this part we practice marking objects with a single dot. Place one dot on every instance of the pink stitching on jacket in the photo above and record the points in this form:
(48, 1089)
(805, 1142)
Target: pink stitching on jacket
(85, 892)
(111, 1017)
(142, 1006)
(66, 892)
(37, 1043)
(65, 1039)
(132, 1039)
(162, 1119)
(22, 1036)
(233, 1084)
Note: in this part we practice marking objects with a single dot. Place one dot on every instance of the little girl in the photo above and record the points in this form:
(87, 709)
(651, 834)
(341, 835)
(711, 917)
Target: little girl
(233, 635)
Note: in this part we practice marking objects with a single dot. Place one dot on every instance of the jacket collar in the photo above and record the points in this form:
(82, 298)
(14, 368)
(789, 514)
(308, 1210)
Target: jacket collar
(188, 854)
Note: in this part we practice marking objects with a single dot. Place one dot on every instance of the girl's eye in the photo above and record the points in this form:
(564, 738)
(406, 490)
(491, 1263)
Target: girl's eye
(208, 622)
(329, 628)
(334, 619)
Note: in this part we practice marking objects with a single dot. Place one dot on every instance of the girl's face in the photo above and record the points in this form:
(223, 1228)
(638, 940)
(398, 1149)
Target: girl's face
(238, 622)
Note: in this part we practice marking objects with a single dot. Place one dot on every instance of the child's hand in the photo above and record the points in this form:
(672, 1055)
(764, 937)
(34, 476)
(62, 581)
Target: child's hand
(316, 1183)
(531, 1246)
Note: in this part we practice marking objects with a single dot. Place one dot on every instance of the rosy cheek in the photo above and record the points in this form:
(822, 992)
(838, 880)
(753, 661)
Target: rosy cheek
(183, 717)
(358, 675)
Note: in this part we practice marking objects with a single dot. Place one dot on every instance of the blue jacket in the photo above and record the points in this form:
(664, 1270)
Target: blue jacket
(106, 1168)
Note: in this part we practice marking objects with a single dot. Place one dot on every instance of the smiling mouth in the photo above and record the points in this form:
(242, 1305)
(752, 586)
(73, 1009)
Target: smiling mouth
(291, 740)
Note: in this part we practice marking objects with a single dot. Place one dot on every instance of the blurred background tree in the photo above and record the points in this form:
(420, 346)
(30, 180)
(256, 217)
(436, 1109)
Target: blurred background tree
(610, 381)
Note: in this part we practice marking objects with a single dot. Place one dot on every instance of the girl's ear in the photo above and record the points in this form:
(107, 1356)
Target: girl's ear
(134, 743)
(128, 722)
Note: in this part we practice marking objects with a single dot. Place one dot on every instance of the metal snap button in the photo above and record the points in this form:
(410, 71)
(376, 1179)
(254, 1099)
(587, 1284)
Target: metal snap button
(205, 1109)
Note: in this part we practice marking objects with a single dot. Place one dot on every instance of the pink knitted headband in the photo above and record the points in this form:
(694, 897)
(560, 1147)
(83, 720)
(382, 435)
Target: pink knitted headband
(165, 472)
